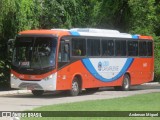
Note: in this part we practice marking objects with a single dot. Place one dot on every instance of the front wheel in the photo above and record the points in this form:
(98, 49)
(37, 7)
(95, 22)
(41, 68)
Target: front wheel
(75, 87)
(125, 84)
(37, 92)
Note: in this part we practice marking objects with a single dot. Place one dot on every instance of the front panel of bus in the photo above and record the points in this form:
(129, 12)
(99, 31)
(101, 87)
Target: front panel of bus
(34, 62)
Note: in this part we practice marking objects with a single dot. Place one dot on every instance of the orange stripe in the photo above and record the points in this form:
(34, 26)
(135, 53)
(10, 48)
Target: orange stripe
(146, 37)
(54, 32)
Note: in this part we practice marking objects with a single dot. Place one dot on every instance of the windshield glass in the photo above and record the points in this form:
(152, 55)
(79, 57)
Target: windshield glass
(34, 52)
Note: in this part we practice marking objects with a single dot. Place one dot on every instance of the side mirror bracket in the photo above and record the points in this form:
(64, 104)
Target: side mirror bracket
(10, 45)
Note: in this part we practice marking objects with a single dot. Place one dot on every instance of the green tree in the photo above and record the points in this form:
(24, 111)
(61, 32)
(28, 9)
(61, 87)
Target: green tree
(143, 16)
(27, 14)
(81, 17)
(52, 14)
(157, 26)
(63, 13)
(15, 15)
(0, 19)
(134, 16)
(111, 14)
(157, 41)
(6, 30)
(145, 20)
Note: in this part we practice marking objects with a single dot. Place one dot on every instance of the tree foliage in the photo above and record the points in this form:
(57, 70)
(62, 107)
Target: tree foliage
(145, 14)
(112, 14)
(134, 16)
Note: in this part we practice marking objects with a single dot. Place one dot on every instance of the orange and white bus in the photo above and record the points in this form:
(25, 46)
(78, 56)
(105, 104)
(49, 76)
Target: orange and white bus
(80, 58)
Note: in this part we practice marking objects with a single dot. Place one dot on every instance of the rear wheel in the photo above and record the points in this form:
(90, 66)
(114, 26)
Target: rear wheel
(75, 87)
(125, 84)
(37, 92)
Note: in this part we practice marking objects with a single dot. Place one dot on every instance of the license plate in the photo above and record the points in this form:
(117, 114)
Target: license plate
(25, 63)
(30, 87)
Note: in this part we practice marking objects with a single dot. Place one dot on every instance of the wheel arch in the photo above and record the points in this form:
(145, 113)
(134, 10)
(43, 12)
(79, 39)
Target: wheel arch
(80, 80)
(127, 73)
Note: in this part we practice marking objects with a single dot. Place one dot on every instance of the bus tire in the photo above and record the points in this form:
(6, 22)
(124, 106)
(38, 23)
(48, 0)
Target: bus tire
(125, 84)
(37, 92)
(75, 90)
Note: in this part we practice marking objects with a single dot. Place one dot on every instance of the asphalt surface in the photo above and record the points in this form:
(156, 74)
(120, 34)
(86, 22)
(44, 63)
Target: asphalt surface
(20, 100)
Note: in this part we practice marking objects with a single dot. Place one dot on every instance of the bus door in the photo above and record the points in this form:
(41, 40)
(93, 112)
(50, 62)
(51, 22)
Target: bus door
(63, 61)
(64, 53)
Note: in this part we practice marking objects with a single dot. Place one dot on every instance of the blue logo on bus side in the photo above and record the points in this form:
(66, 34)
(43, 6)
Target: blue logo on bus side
(100, 66)
(106, 67)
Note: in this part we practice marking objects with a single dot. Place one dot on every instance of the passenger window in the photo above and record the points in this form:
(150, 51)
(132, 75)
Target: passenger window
(120, 48)
(142, 48)
(132, 48)
(150, 48)
(78, 47)
(107, 47)
(93, 47)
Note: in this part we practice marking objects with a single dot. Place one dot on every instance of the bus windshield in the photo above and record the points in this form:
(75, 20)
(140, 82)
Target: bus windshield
(34, 52)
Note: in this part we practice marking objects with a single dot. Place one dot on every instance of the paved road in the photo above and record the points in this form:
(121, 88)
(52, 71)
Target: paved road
(26, 101)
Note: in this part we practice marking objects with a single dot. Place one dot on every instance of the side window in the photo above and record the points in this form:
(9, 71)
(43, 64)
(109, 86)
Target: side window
(107, 47)
(150, 48)
(63, 55)
(132, 48)
(104, 47)
(78, 47)
(123, 48)
(120, 48)
(142, 48)
(93, 47)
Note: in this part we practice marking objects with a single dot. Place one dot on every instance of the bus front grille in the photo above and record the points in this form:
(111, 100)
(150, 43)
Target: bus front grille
(32, 86)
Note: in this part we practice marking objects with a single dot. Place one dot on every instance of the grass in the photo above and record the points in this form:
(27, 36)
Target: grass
(145, 102)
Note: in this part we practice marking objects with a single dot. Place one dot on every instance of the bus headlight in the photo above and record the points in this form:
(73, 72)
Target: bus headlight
(49, 77)
(13, 76)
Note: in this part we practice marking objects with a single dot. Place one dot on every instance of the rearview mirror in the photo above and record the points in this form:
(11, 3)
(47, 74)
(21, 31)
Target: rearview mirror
(10, 45)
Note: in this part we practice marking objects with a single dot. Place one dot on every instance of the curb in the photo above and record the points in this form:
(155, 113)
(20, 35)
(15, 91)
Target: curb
(14, 92)
(29, 91)
(151, 83)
